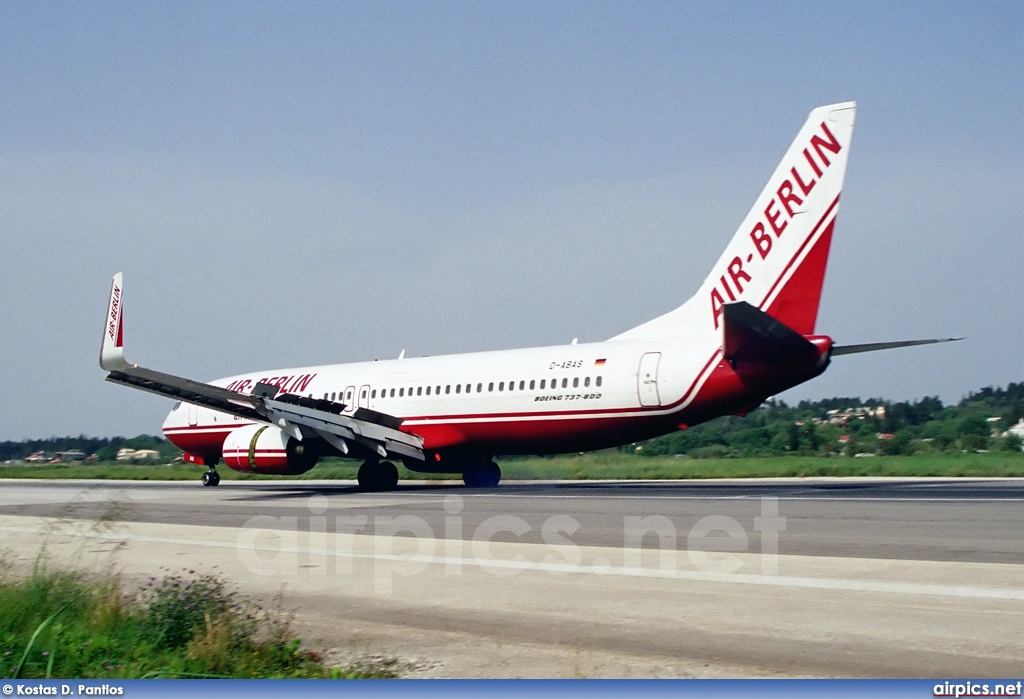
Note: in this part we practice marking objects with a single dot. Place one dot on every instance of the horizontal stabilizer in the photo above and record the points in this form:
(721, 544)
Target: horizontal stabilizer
(754, 336)
(838, 350)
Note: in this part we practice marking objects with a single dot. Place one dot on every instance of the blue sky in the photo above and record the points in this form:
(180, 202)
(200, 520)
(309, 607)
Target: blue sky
(286, 184)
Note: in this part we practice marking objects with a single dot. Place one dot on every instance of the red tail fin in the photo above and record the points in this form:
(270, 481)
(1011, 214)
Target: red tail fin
(797, 301)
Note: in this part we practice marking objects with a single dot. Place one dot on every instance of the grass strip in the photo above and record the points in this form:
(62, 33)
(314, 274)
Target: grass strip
(600, 465)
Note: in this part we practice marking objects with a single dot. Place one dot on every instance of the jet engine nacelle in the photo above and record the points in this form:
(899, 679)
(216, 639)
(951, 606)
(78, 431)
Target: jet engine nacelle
(266, 449)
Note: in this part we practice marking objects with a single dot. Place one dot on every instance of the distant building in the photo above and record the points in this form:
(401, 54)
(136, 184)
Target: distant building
(843, 417)
(1018, 430)
(145, 455)
(137, 455)
(71, 455)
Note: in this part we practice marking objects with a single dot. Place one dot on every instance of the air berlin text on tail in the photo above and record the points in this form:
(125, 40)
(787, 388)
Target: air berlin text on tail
(777, 214)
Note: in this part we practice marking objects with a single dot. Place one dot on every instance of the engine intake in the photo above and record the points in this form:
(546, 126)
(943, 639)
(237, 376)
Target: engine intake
(266, 449)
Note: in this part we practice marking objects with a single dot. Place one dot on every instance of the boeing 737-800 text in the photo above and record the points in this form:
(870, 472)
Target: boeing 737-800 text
(748, 333)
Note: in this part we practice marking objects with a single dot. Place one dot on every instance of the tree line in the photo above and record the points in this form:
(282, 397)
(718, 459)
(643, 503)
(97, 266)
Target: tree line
(851, 426)
(833, 426)
(105, 448)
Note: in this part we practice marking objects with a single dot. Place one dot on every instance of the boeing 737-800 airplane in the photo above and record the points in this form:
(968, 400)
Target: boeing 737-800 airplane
(748, 333)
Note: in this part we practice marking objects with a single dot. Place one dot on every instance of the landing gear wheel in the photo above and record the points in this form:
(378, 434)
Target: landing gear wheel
(387, 473)
(485, 476)
(377, 476)
(211, 478)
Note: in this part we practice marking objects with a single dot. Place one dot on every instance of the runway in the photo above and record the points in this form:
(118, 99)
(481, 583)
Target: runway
(922, 519)
(821, 577)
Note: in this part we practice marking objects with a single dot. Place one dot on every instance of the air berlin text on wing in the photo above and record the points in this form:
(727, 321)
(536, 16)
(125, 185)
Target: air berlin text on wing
(115, 303)
(788, 195)
(287, 384)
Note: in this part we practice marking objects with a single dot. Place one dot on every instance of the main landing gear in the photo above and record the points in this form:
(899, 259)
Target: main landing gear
(486, 475)
(211, 478)
(377, 476)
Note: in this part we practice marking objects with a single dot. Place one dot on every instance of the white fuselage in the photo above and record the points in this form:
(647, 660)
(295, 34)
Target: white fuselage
(561, 398)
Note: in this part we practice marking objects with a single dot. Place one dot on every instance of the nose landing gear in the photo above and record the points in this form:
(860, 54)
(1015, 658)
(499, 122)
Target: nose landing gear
(211, 478)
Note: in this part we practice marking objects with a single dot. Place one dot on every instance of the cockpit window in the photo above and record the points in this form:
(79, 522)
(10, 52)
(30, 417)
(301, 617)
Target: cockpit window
(176, 406)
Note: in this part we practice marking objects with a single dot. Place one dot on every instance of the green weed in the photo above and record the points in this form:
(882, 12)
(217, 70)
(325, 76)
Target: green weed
(66, 624)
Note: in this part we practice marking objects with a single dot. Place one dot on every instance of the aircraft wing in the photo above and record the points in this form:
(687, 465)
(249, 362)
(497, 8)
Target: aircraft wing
(297, 415)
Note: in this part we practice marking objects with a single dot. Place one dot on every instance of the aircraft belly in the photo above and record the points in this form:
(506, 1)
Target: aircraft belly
(538, 435)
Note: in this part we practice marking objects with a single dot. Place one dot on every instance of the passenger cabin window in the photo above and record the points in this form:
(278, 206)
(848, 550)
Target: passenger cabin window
(458, 388)
(501, 386)
(479, 388)
(598, 381)
(469, 388)
(428, 390)
(401, 392)
(543, 382)
(522, 385)
(373, 393)
(490, 386)
(419, 390)
(392, 393)
(532, 384)
(447, 389)
(586, 382)
(576, 382)
(565, 383)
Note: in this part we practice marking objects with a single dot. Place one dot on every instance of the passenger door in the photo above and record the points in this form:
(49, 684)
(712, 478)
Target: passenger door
(647, 379)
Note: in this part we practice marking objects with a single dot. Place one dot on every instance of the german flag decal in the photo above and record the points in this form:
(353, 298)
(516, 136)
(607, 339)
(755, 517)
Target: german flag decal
(599, 362)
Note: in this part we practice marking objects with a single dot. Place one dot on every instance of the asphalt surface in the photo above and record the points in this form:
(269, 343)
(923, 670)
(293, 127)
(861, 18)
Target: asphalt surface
(872, 577)
(953, 520)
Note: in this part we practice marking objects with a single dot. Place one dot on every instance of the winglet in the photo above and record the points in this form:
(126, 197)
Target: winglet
(112, 349)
